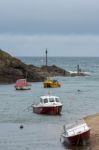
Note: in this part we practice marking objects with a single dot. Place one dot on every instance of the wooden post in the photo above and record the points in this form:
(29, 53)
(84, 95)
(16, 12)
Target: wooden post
(78, 69)
(46, 57)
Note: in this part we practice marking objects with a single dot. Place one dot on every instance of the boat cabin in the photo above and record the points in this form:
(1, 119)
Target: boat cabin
(49, 99)
(21, 82)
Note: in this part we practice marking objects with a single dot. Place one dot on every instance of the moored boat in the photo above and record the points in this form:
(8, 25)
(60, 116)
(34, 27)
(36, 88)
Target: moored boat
(22, 84)
(50, 105)
(76, 133)
(51, 84)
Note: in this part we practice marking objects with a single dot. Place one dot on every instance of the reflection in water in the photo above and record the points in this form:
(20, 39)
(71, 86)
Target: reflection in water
(71, 147)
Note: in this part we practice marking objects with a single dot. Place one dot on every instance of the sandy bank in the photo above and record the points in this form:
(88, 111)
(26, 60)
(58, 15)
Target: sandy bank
(93, 122)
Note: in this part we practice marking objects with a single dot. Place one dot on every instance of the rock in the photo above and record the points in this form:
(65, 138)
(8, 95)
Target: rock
(12, 69)
(54, 71)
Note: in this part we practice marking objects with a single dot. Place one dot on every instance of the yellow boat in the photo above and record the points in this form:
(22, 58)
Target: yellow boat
(51, 84)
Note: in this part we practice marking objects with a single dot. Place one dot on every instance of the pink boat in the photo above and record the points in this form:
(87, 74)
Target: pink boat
(21, 84)
(48, 105)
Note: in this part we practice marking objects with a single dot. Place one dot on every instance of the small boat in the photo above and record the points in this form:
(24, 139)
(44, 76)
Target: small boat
(51, 84)
(76, 133)
(21, 84)
(50, 105)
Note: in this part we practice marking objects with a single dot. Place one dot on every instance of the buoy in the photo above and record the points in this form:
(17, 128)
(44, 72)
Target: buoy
(78, 90)
(21, 126)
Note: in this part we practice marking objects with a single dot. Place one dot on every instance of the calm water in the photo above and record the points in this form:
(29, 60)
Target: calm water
(43, 132)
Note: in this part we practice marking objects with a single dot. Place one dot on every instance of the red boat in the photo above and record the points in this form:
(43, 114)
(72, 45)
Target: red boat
(76, 133)
(21, 84)
(48, 105)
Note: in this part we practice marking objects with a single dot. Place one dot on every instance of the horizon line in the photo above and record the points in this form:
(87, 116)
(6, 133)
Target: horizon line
(57, 56)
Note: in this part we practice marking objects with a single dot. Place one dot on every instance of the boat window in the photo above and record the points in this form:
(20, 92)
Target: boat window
(51, 99)
(41, 101)
(57, 99)
(45, 100)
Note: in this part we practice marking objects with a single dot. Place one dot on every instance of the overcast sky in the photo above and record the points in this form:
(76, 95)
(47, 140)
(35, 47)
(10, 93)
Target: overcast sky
(64, 27)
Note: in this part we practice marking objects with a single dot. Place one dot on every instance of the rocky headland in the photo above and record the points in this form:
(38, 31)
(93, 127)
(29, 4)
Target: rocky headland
(12, 68)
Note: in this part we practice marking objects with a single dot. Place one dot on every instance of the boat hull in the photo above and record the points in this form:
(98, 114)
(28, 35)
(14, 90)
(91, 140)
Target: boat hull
(51, 84)
(79, 139)
(23, 88)
(53, 110)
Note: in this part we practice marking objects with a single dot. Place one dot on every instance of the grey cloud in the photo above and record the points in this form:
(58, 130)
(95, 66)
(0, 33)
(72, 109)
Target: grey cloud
(49, 17)
(65, 27)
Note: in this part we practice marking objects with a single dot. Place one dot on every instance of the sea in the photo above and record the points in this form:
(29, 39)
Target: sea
(79, 96)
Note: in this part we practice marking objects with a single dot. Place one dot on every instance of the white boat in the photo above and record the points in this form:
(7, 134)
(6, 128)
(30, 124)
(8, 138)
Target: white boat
(48, 105)
(76, 133)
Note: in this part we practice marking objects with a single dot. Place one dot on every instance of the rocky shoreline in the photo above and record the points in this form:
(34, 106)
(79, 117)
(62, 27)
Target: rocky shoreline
(12, 69)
